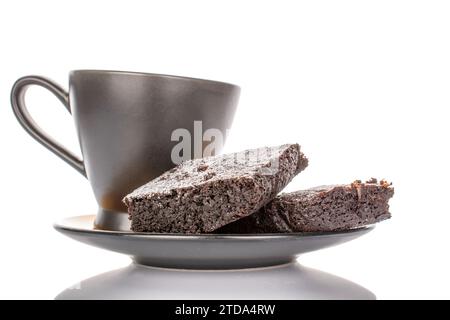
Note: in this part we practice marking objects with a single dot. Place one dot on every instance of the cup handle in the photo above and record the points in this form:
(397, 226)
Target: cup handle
(23, 116)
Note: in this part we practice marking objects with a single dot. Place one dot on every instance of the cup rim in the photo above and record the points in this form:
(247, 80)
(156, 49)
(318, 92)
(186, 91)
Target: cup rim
(147, 74)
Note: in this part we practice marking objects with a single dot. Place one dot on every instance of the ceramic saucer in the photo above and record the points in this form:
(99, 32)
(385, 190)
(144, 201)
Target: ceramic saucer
(206, 251)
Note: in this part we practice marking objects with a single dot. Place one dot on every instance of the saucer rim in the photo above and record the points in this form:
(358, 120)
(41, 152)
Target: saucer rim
(64, 225)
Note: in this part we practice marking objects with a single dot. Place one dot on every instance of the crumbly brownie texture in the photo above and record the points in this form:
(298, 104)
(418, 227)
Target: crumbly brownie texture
(202, 195)
(326, 208)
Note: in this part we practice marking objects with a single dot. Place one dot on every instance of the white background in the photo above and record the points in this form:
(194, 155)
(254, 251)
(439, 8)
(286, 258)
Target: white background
(363, 86)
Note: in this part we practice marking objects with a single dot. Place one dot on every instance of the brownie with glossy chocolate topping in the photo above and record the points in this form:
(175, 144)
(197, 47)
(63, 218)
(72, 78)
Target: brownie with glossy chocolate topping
(326, 208)
(202, 195)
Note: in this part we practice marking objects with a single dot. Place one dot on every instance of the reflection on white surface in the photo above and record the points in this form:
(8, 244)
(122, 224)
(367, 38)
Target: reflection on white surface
(288, 281)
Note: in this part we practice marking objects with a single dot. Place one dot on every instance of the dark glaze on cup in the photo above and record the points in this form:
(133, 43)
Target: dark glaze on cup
(124, 122)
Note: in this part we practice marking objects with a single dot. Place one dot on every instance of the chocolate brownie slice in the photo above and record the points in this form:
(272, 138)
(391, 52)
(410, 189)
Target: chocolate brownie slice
(202, 195)
(326, 208)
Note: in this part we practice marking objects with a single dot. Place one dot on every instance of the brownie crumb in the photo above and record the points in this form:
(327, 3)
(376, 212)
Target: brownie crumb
(385, 184)
(202, 167)
(209, 175)
(356, 183)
